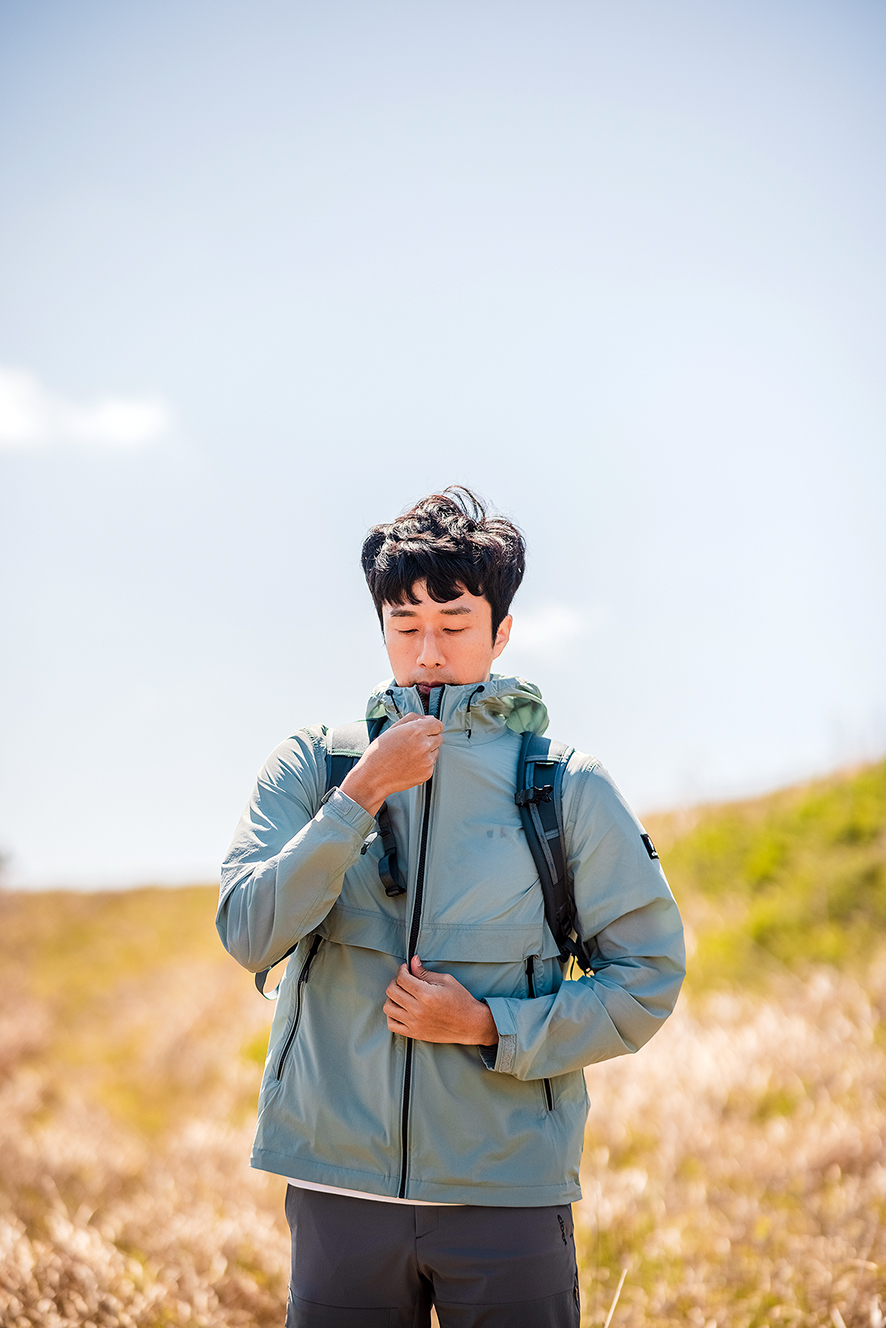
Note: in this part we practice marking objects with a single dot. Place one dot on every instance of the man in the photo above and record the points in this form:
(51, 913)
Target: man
(424, 1090)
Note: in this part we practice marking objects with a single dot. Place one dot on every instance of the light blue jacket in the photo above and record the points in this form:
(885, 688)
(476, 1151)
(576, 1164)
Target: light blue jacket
(345, 1102)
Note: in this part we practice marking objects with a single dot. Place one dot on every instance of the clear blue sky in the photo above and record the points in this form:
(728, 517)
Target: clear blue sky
(270, 271)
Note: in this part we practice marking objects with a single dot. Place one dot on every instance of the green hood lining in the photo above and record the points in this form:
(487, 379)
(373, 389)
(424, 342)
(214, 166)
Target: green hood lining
(515, 700)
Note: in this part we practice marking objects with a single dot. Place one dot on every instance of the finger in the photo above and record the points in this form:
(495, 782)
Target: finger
(427, 977)
(429, 724)
(410, 987)
(397, 1026)
(407, 719)
(417, 978)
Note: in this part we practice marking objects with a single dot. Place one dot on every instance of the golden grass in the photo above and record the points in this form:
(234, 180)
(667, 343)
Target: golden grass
(125, 1127)
(735, 1168)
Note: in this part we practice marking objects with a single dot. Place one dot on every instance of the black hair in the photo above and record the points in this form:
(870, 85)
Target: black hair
(448, 541)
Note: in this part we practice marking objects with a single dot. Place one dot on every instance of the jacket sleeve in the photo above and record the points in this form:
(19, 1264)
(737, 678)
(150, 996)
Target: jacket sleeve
(630, 920)
(285, 866)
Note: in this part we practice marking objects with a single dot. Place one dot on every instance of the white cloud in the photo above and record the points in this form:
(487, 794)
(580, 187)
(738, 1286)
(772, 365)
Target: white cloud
(31, 415)
(549, 628)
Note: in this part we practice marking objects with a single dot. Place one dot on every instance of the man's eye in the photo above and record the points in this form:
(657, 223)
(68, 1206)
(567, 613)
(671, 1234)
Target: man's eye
(453, 631)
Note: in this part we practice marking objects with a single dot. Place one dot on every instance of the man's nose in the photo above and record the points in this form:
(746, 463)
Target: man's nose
(430, 654)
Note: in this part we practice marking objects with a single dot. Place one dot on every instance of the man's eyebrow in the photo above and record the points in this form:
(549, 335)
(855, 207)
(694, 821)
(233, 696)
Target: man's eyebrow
(403, 612)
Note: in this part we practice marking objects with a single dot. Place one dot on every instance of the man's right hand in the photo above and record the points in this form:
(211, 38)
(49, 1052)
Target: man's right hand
(400, 758)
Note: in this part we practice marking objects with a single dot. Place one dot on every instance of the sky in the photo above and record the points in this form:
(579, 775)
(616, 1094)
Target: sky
(269, 272)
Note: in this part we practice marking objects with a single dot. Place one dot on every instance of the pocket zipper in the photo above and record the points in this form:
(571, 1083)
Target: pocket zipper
(302, 979)
(530, 981)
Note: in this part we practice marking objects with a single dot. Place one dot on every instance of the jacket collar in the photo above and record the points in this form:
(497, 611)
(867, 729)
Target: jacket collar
(474, 711)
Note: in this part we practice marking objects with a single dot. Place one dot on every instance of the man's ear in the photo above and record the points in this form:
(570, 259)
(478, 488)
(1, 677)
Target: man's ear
(502, 636)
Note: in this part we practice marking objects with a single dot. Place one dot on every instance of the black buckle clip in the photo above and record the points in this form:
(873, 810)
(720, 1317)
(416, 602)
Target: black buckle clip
(527, 796)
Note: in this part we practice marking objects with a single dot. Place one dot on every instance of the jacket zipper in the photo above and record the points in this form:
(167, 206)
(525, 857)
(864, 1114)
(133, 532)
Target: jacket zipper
(530, 979)
(302, 979)
(435, 702)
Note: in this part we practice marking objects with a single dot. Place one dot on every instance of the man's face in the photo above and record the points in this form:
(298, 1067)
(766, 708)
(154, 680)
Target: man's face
(442, 643)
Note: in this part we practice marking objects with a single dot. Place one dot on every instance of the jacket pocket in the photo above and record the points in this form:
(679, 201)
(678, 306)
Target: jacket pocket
(530, 987)
(299, 999)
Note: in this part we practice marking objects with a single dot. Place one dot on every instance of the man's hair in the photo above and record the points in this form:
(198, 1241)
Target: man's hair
(448, 541)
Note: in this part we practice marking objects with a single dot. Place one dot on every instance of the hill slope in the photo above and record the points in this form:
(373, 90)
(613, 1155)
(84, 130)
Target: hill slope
(793, 878)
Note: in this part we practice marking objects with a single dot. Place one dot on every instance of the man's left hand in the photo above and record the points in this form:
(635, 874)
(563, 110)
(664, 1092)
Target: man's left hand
(434, 1007)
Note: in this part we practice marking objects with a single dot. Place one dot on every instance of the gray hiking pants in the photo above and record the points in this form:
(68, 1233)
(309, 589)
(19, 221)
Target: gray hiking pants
(361, 1264)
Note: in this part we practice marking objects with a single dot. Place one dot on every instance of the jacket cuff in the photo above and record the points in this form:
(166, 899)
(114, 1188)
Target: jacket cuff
(502, 1058)
(343, 808)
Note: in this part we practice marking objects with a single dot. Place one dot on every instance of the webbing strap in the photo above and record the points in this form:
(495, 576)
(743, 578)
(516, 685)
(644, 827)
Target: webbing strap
(345, 747)
(539, 797)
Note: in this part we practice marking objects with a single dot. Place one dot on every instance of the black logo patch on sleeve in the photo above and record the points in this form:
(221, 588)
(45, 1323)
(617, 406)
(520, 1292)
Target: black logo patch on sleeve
(650, 847)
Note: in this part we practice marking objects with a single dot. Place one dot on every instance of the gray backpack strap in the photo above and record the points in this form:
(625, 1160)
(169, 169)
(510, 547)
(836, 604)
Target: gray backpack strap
(388, 871)
(539, 797)
(344, 747)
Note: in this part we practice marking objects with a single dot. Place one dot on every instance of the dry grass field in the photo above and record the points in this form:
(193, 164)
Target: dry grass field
(735, 1169)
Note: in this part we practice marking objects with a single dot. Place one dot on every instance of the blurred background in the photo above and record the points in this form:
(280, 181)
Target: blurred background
(271, 272)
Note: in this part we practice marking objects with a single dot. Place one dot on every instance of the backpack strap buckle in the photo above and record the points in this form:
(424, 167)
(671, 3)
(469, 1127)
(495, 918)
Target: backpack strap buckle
(527, 796)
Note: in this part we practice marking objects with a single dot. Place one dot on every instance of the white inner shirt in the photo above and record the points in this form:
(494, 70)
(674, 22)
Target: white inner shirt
(359, 1194)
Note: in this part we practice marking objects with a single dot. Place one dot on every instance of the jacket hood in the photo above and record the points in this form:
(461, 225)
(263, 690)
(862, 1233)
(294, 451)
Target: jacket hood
(479, 711)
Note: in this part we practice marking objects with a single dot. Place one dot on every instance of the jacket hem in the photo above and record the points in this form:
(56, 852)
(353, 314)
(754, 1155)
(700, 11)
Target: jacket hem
(451, 1192)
